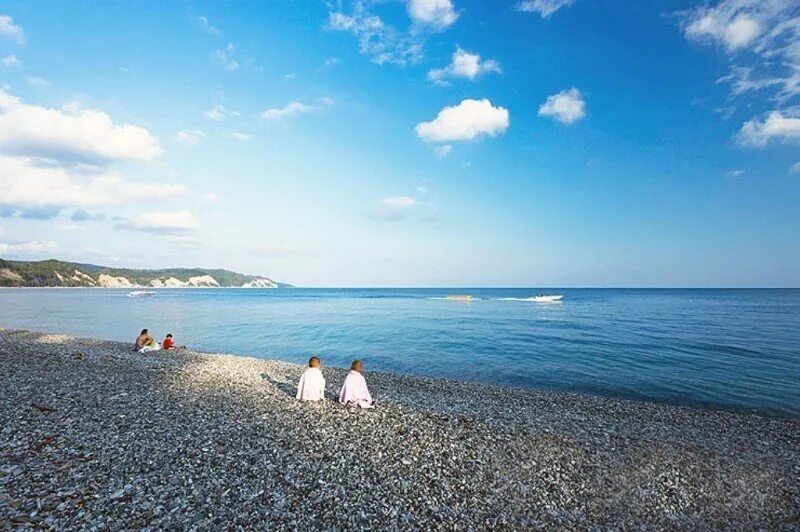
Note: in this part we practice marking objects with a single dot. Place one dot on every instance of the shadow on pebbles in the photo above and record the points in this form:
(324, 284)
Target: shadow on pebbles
(94, 436)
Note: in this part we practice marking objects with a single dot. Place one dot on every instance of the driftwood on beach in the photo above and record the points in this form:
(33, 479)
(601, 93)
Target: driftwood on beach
(92, 435)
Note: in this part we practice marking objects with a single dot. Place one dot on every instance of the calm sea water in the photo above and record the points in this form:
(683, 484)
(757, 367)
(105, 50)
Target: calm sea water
(737, 349)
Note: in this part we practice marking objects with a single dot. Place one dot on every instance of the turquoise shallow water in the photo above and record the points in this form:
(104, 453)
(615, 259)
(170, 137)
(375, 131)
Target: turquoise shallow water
(736, 349)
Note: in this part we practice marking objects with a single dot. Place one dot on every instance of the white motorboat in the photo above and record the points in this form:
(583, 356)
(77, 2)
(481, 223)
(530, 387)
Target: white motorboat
(541, 298)
(141, 293)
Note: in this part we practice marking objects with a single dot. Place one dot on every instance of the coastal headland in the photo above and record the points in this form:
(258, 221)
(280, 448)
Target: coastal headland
(95, 436)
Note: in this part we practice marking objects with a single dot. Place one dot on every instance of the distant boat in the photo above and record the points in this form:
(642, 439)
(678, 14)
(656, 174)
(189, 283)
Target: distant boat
(141, 293)
(459, 297)
(541, 298)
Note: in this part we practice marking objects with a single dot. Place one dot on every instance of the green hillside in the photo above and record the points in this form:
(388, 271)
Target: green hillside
(69, 274)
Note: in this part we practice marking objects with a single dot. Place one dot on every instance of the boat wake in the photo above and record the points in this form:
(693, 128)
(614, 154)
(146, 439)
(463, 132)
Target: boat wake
(534, 299)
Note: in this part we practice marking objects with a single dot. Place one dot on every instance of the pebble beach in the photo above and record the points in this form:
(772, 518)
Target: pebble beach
(93, 436)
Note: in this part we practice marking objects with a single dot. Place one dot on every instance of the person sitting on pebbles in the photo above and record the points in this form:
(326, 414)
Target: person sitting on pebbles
(354, 389)
(312, 383)
(145, 343)
(168, 343)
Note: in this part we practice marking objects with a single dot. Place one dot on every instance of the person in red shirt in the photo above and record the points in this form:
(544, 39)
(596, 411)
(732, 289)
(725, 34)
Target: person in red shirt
(168, 342)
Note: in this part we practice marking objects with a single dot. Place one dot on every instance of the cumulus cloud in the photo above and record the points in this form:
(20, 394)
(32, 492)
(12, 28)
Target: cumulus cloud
(208, 27)
(795, 168)
(53, 159)
(545, 8)
(226, 57)
(734, 173)
(380, 42)
(567, 106)
(72, 133)
(757, 133)
(189, 136)
(11, 61)
(435, 14)
(463, 65)
(10, 30)
(294, 108)
(466, 121)
(24, 250)
(26, 182)
(219, 112)
(160, 223)
(761, 38)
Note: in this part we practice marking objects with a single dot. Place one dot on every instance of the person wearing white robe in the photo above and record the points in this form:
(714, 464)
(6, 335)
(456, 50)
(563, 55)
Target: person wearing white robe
(312, 383)
(354, 390)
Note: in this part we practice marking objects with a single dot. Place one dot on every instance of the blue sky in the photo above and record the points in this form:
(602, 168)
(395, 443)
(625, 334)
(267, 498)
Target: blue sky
(407, 143)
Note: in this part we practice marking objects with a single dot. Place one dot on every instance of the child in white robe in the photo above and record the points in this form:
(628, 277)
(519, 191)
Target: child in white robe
(312, 383)
(354, 391)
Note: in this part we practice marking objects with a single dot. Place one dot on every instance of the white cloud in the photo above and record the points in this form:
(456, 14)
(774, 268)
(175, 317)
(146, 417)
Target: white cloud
(545, 8)
(435, 14)
(11, 61)
(795, 168)
(443, 150)
(567, 106)
(331, 61)
(422, 190)
(31, 248)
(38, 82)
(757, 133)
(26, 182)
(225, 56)
(219, 112)
(52, 159)
(377, 40)
(161, 223)
(189, 136)
(734, 173)
(761, 38)
(10, 30)
(70, 134)
(731, 23)
(294, 108)
(208, 27)
(463, 65)
(241, 137)
(466, 121)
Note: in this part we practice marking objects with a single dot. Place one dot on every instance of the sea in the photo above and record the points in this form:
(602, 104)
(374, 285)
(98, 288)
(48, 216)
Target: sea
(731, 349)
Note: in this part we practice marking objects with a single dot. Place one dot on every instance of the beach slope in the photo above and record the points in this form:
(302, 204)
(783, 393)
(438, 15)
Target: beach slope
(92, 435)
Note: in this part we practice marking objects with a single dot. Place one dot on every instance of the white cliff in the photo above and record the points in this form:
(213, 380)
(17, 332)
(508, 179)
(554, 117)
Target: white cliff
(260, 282)
(81, 277)
(203, 281)
(109, 281)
